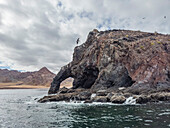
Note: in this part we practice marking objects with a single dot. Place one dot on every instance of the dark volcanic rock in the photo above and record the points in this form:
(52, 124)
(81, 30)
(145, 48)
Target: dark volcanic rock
(84, 95)
(58, 97)
(160, 96)
(119, 58)
(153, 97)
(101, 93)
(118, 99)
(88, 101)
(63, 90)
(143, 99)
(100, 99)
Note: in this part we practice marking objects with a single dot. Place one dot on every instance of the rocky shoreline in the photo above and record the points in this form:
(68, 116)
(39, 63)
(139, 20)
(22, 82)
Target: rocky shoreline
(119, 96)
(113, 65)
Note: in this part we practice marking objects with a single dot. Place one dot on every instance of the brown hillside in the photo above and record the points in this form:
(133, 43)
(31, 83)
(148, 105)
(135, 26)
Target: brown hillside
(41, 77)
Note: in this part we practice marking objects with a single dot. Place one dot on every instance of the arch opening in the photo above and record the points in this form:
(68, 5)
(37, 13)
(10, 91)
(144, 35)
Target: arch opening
(68, 83)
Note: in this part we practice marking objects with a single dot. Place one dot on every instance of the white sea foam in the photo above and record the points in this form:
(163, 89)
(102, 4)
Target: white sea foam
(165, 113)
(81, 103)
(93, 95)
(73, 101)
(130, 100)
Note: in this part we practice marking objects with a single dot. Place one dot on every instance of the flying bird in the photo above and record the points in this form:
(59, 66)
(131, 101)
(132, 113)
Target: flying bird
(143, 18)
(164, 16)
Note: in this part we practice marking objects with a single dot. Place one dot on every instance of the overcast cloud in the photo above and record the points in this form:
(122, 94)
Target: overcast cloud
(37, 33)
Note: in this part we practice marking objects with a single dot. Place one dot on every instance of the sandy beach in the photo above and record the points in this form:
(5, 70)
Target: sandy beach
(19, 85)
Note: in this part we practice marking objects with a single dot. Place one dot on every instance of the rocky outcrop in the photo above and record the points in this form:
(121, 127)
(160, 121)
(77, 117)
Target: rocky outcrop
(117, 66)
(108, 60)
(118, 99)
(84, 95)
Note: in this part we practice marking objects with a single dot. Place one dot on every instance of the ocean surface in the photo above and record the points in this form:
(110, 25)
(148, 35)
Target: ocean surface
(19, 109)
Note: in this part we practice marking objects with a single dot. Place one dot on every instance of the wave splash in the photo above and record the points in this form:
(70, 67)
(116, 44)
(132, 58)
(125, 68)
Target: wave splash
(130, 100)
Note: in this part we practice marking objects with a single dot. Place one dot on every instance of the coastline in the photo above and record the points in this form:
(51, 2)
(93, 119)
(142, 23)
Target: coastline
(20, 86)
(119, 96)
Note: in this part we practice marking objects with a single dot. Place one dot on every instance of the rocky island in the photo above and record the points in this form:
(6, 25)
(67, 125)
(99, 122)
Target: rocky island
(113, 65)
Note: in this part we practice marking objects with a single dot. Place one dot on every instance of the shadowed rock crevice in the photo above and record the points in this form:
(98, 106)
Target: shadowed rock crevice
(87, 79)
(113, 76)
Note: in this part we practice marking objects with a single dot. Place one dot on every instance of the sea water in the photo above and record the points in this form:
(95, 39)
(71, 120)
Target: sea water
(19, 109)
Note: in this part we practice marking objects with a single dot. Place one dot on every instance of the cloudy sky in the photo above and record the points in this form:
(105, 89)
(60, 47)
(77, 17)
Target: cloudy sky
(37, 33)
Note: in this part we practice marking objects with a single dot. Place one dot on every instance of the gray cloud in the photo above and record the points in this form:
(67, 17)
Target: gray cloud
(41, 33)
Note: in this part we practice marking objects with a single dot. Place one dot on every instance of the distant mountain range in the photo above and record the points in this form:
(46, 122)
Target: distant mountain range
(42, 77)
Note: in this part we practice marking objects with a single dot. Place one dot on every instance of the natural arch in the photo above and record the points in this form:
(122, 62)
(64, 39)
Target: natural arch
(68, 83)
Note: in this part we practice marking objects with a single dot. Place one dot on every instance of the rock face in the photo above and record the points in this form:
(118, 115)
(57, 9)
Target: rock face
(41, 77)
(119, 58)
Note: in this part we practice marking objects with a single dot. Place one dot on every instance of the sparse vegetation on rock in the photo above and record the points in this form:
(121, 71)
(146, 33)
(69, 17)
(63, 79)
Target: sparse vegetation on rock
(110, 59)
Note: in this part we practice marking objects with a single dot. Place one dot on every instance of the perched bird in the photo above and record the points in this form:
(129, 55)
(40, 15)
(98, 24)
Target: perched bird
(78, 40)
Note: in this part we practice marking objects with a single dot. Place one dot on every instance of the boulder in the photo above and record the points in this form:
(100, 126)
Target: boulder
(88, 101)
(127, 95)
(153, 97)
(119, 99)
(58, 97)
(100, 99)
(160, 96)
(101, 93)
(142, 99)
(85, 95)
(71, 90)
(109, 95)
(51, 98)
(63, 90)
